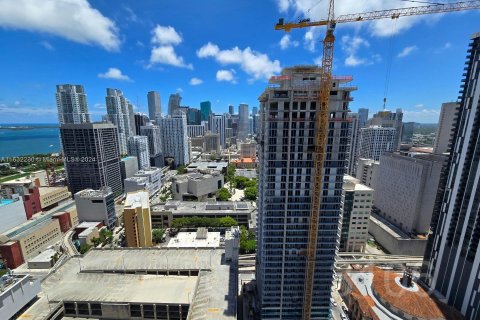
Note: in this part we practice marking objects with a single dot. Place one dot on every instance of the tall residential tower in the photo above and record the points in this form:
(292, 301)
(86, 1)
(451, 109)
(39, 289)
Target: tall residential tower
(154, 105)
(286, 153)
(72, 104)
(91, 156)
(452, 258)
(119, 114)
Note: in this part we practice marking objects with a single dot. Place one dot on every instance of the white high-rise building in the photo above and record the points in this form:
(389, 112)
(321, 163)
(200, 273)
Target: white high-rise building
(197, 130)
(154, 105)
(446, 123)
(375, 141)
(175, 139)
(118, 113)
(217, 125)
(154, 136)
(138, 147)
(289, 107)
(357, 206)
(243, 121)
(72, 104)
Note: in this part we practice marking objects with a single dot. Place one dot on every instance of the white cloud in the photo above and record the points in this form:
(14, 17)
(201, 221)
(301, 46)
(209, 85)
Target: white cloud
(115, 74)
(285, 42)
(16, 110)
(407, 51)
(421, 114)
(164, 38)
(256, 64)
(317, 10)
(167, 55)
(284, 5)
(318, 61)
(165, 35)
(351, 46)
(131, 16)
(47, 45)
(446, 46)
(309, 40)
(74, 20)
(208, 50)
(195, 81)
(179, 90)
(226, 75)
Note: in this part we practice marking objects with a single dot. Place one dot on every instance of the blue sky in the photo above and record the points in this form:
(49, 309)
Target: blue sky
(217, 50)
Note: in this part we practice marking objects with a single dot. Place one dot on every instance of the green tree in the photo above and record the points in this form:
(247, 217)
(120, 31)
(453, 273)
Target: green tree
(227, 222)
(230, 174)
(251, 193)
(182, 169)
(157, 235)
(84, 248)
(95, 241)
(248, 243)
(223, 194)
(240, 182)
(196, 222)
(251, 183)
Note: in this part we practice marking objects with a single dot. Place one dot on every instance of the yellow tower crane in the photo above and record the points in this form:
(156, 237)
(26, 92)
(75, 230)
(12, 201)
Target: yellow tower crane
(321, 122)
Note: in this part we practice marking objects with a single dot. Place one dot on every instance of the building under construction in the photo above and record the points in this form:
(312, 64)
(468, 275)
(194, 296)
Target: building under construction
(288, 140)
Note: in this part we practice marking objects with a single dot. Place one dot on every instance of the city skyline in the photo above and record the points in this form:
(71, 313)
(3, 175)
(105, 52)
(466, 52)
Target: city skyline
(136, 48)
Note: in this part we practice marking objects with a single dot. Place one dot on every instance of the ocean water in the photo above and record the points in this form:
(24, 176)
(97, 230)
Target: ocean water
(21, 139)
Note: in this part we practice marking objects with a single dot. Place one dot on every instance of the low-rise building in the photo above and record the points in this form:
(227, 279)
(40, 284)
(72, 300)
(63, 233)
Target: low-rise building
(394, 240)
(16, 291)
(96, 205)
(150, 180)
(50, 196)
(385, 294)
(25, 188)
(137, 220)
(220, 166)
(357, 206)
(196, 186)
(201, 238)
(86, 231)
(124, 284)
(245, 163)
(36, 238)
(44, 260)
(163, 214)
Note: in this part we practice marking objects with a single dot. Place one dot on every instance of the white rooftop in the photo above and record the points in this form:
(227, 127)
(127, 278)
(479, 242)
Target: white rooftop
(190, 240)
(137, 199)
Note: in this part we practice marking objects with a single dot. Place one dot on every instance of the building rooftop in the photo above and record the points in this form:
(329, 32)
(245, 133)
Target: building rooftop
(47, 190)
(137, 199)
(198, 207)
(44, 256)
(90, 193)
(119, 275)
(205, 165)
(353, 184)
(380, 294)
(4, 202)
(32, 228)
(192, 240)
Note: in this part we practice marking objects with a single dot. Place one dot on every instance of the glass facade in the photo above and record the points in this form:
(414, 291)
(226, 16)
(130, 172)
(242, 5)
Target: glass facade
(286, 154)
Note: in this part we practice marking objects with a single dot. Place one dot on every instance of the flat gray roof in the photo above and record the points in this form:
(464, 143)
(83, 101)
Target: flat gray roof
(211, 294)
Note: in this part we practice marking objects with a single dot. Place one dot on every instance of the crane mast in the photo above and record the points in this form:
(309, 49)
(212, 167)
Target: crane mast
(322, 117)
